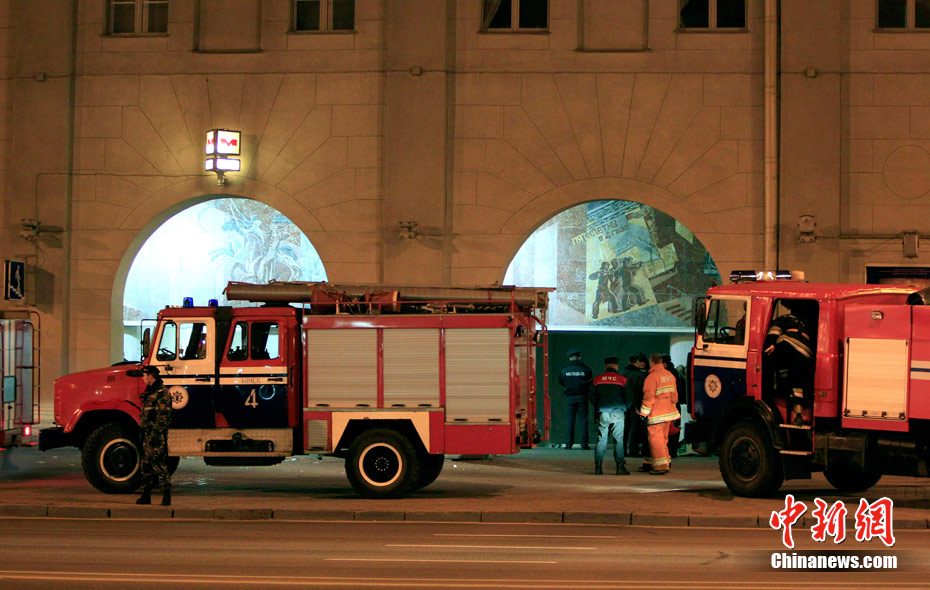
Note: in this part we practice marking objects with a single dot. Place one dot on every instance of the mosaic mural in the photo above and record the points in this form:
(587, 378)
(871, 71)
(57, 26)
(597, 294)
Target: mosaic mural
(615, 264)
(198, 251)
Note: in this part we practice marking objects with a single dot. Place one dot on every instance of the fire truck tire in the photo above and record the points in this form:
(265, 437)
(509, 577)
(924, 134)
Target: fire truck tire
(851, 479)
(111, 461)
(749, 463)
(382, 463)
(430, 468)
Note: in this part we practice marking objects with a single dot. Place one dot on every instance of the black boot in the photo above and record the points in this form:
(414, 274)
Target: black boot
(146, 497)
(166, 495)
(621, 469)
(597, 468)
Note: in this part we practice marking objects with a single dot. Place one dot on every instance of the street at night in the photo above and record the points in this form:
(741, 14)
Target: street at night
(541, 513)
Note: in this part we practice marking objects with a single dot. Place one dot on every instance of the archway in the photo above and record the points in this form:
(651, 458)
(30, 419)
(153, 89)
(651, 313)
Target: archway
(625, 275)
(198, 250)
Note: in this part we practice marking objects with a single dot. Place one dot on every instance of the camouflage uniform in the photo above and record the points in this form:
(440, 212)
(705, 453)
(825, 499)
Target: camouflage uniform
(154, 421)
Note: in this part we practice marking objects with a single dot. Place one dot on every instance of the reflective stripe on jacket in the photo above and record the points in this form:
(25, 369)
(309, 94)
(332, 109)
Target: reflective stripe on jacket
(660, 394)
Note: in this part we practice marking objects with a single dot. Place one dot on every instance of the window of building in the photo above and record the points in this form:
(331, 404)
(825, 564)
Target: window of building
(324, 15)
(713, 14)
(903, 14)
(135, 17)
(509, 15)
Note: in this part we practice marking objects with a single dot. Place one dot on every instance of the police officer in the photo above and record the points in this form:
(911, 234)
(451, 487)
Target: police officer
(154, 421)
(576, 378)
(610, 403)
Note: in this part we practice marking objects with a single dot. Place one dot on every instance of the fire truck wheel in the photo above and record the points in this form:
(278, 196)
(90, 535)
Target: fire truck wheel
(110, 458)
(430, 468)
(749, 463)
(382, 464)
(850, 479)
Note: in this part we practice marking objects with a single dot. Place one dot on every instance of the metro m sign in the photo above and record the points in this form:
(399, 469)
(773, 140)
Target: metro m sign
(224, 142)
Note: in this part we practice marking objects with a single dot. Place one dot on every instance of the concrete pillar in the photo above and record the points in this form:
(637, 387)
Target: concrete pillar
(415, 128)
(812, 65)
(38, 184)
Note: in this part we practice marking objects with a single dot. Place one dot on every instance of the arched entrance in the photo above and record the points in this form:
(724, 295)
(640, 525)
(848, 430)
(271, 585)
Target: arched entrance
(198, 250)
(625, 275)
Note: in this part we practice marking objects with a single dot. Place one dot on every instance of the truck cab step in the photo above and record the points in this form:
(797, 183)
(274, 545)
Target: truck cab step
(796, 427)
(799, 453)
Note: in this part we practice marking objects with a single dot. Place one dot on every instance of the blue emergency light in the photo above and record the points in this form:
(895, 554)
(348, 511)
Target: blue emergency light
(213, 303)
(741, 276)
(188, 302)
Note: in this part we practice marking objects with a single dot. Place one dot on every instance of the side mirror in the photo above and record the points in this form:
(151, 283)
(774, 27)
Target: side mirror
(700, 314)
(146, 343)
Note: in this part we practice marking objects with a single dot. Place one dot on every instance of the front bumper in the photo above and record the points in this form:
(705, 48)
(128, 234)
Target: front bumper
(54, 438)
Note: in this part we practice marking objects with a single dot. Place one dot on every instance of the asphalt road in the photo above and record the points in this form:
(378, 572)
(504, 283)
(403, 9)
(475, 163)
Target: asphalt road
(540, 485)
(78, 553)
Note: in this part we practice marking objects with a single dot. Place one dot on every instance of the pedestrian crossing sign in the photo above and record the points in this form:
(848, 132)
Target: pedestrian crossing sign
(14, 280)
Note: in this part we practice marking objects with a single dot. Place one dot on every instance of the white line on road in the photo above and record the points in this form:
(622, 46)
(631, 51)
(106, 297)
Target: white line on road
(398, 560)
(528, 536)
(434, 546)
(331, 581)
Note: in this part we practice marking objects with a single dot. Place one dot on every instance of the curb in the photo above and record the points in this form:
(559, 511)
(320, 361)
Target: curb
(292, 515)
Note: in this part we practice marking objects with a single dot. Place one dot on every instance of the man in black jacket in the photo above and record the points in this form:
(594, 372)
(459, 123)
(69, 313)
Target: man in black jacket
(635, 431)
(575, 379)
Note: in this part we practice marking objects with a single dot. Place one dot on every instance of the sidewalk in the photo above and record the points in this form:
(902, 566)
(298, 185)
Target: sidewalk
(539, 485)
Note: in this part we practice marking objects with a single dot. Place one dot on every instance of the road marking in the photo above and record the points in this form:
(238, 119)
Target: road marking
(397, 560)
(433, 546)
(331, 581)
(527, 535)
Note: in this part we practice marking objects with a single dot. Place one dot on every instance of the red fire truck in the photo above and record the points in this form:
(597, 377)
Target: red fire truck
(871, 385)
(19, 371)
(391, 379)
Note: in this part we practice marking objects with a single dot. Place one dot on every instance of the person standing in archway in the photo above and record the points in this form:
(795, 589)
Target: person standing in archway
(576, 378)
(153, 422)
(660, 395)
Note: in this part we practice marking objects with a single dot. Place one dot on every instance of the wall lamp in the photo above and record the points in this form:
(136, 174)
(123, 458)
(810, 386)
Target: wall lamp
(408, 230)
(806, 227)
(220, 146)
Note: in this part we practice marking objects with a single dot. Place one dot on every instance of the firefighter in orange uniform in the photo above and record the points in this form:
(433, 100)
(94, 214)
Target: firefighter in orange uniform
(660, 395)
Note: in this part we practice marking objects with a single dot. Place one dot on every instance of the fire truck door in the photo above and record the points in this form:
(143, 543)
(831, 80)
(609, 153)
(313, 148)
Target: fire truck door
(185, 355)
(254, 376)
(720, 355)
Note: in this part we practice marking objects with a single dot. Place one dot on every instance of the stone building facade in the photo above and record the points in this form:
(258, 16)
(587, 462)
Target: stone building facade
(420, 114)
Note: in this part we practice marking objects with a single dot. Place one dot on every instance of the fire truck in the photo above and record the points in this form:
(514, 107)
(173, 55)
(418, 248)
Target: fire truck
(389, 378)
(19, 371)
(869, 406)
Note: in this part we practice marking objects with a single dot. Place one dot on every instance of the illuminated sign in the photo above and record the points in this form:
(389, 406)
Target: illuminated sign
(15, 280)
(217, 164)
(223, 142)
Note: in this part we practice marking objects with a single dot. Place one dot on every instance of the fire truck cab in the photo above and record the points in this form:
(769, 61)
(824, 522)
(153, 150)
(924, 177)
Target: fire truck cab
(869, 404)
(391, 379)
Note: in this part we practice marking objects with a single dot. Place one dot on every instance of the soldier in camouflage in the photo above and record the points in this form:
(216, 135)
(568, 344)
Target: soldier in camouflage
(154, 421)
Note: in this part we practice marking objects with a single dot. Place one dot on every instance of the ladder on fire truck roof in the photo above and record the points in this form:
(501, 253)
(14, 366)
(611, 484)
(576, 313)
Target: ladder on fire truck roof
(328, 299)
